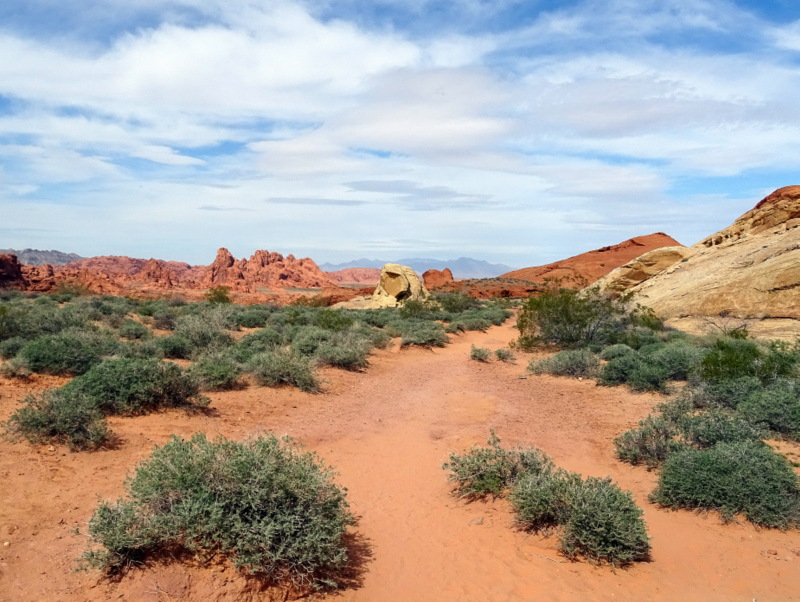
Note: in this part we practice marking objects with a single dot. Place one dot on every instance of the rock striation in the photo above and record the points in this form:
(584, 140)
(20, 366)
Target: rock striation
(749, 270)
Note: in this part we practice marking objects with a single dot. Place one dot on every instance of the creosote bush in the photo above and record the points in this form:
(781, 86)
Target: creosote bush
(271, 508)
(283, 367)
(599, 521)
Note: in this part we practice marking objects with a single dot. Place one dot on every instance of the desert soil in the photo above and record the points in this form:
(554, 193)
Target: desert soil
(387, 432)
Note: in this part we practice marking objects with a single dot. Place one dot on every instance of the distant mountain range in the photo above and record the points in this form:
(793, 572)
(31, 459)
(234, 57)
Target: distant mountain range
(37, 257)
(463, 267)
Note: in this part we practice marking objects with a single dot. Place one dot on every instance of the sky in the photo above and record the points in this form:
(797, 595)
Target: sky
(513, 131)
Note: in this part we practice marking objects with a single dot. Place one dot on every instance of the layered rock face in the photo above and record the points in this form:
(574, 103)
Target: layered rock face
(586, 268)
(749, 270)
(264, 269)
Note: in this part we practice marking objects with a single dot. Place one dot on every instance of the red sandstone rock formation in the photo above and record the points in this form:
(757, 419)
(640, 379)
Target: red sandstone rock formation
(586, 268)
(436, 278)
(368, 276)
(10, 272)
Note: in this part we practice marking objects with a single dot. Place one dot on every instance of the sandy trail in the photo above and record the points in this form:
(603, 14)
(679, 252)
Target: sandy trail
(387, 432)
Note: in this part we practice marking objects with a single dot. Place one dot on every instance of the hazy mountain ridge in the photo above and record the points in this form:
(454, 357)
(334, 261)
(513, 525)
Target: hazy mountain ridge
(37, 257)
(463, 267)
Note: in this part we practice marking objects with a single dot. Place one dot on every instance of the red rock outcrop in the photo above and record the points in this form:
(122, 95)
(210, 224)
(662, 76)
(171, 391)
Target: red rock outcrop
(492, 288)
(586, 268)
(367, 276)
(10, 272)
(437, 278)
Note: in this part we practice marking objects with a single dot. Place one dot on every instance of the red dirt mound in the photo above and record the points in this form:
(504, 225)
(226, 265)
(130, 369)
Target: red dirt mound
(586, 268)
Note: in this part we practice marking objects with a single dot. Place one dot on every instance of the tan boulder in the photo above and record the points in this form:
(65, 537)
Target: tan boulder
(398, 283)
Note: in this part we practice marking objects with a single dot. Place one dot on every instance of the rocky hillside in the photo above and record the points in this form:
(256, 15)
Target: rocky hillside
(37, 257)
(362, 276)
(751, 269)
(586, 268)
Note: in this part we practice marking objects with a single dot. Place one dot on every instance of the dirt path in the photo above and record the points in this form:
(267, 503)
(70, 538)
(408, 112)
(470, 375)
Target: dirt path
(387, 432)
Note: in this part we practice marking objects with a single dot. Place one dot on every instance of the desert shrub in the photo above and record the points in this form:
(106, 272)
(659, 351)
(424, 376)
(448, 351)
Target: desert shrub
(175, 347)
(217, 371)
(569, 318)
(479, 354)
(254, 316)
(348, 350)
(147, 349)
(207, 331)
(742, 477)
(416, 309)
(605, 525)
(455, 302)
(572, 362)
(728, 393)
(468, 323)
(490, 470)
(650, 443)
(272, 509)
(776, 408)
(165, 319)
(16, 367)
(307, 339)
(131, 329)
(677, 359)
(136, 386)
(282, 367)
(706, 429)
(617, 350)
(542, 499)
(259, 341)
(376, 317)
(59, 416)
(421, 333)
(67, 353)
(333, 319)
(218, 294)
(734, 358)
(639, 373)
(505, 355)
(11, 347)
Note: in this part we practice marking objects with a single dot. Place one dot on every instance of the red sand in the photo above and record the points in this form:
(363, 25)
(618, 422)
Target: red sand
(387, 432)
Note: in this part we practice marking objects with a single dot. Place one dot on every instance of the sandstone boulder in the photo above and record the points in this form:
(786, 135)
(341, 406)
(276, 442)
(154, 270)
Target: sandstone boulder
(398, 283)
(10, 272)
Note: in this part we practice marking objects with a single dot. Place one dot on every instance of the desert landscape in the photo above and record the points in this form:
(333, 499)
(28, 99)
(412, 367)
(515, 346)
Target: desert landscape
(386, 384)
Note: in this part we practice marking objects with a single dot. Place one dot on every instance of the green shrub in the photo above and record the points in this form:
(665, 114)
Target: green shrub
(273, 510)
(572, 362)
(639, 373)
(605, 525)
(164, 319)
(505, 355)
(743, 477)
(677, 359)
(11, 347)
(776, 407)
(217, 372)
(414, 309)
(728, 393)
(175, 347)
(265, 339)
(469, 323)
(137, 386)
(59, 416)
(490, 470)
(67, 353)
(617, 350)
(479, 354)
(131, 329)
(282, 367)
(650, 443)
(333, 319)
(307, 339)
(569, 318)
(16, 367)
(542, 499)
(218, 294)
(714, 426)
(455, 302)
(732, 358)
(204, 332)
(420, 333)
(348, 350)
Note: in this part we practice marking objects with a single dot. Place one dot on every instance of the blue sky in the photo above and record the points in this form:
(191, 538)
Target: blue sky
(518, 132)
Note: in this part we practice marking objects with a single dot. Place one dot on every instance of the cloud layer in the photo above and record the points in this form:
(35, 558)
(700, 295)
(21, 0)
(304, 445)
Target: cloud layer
(512, 131)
